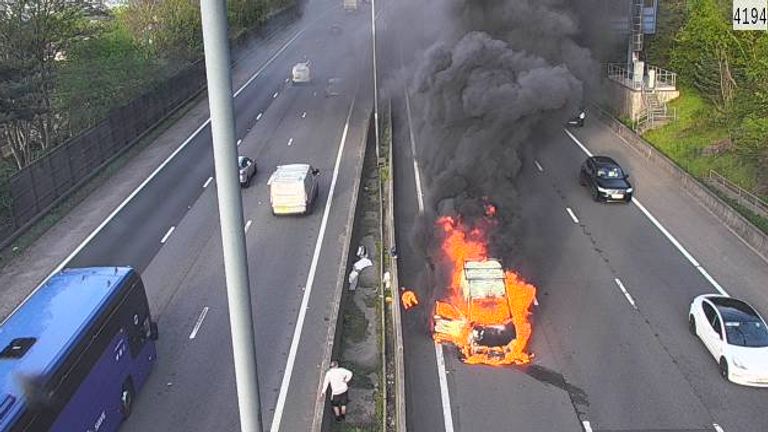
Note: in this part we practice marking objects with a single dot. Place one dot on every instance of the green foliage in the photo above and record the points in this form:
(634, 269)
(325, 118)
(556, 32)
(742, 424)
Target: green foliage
(100, 73)
(671, 16)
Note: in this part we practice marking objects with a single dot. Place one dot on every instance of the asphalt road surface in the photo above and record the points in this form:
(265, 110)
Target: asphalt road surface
(605, 360)
(169, 231)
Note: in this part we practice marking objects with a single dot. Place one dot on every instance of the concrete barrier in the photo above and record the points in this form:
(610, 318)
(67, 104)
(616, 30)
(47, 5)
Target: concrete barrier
(730, 217)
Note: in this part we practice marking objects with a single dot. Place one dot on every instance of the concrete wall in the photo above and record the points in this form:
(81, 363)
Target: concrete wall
(751, 235)
(625, 102)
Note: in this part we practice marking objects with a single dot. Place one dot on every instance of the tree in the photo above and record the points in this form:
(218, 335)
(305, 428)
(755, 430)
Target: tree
(33, 33)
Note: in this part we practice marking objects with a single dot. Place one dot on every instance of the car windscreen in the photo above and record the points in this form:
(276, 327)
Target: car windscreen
(609, 172)
(746, 333)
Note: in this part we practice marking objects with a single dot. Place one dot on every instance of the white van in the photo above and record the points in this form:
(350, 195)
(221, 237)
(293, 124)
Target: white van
(293, 189)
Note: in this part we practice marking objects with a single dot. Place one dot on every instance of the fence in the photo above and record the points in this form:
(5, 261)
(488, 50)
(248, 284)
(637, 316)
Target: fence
(47, 181)
(742, 196)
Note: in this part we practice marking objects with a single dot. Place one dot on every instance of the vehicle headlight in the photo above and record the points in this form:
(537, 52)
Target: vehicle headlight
(603, 190)
(739, 364)
(629, 190)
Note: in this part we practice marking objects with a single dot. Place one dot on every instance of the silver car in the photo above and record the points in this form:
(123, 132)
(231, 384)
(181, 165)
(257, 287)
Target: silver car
(247, 170)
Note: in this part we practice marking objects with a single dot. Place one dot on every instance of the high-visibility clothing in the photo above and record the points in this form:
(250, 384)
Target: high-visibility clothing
(409, 299)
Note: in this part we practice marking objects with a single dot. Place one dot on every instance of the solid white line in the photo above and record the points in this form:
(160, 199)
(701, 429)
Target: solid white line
(278, 417)
(626, 293)
(664, 231)
(271, 59)
(207, 182)
(168, 234)
(587, 426)
(274, 96)
(572, 215)
(538, 166)
(247, 225)
(717, 427)
(290, 141)
(239, 142)
(444, 395)
(584, 149)
(150, 177)
(258, 117)
(199, 323)
(416, 173)
(304, 114)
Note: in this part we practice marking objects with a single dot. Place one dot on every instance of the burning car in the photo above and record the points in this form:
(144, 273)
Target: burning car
(485, 314)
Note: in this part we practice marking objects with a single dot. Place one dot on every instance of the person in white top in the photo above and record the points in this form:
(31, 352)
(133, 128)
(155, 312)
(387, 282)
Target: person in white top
(337, 377)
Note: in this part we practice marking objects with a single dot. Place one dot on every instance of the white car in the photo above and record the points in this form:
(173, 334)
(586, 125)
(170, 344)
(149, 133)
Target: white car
(736, 336)
(300, 74)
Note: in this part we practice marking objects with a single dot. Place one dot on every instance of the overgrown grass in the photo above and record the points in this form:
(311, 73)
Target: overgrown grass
(354, 323)
(696, 128)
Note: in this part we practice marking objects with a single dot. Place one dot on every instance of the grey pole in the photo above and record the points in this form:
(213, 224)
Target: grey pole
(217, 67)
(375, 83)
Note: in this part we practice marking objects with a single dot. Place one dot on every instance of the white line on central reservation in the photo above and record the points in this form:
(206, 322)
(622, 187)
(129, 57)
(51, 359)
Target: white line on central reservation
(240, 141)
(663, 230)
(207, 182)
(310, 281)
(717, 427)
(572, 215)
(198, 323)
(274, 96)
(167, 234)
(587, 426)
(538, 166)
(290, 141)
(417, 175)
(445, 396)
(247, 225)
(258, 117)
(626, 293)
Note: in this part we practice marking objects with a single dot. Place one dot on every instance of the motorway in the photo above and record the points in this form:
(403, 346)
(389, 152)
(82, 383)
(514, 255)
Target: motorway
(605, 360)
(611, 341)
(168, 230)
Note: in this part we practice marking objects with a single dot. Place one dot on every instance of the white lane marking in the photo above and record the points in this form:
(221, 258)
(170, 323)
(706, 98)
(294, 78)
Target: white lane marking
(717, 427)
(146, 181)
(247, 225)
(626, 293)
(287, 79)
(239, 142)
(207, 182)
(587, 426)
(274, 96)
(584, 149)
(444, 395)
(258, 117)
(278, 417)
(572, 215)
(271, 59)
(416, 174)
(304, 114)
(664, 231)
(538, 166)
(199, 323)
(290, 141)
(167, 234)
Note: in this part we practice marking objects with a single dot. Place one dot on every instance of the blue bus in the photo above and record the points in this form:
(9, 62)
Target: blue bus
(74, 354)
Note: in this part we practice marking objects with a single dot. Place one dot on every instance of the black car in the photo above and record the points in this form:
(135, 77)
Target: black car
(605, 179)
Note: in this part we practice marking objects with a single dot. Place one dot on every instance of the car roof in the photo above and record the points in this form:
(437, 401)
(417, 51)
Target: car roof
(732, 309)
(290, 173)
(604, 160)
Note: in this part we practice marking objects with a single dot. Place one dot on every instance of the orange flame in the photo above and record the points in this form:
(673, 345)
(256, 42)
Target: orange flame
(458, 314)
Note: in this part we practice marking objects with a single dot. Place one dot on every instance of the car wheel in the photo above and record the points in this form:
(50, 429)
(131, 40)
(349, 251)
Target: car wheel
(692, 324)
(126, 397)
(724, 368)
(595, 195)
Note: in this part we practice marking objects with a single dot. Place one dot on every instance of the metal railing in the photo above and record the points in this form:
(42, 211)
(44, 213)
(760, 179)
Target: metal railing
(665, 79)
(741, 195)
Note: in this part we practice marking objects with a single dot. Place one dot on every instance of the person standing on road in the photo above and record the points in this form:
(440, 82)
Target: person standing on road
(408, 298)
(337, 377)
